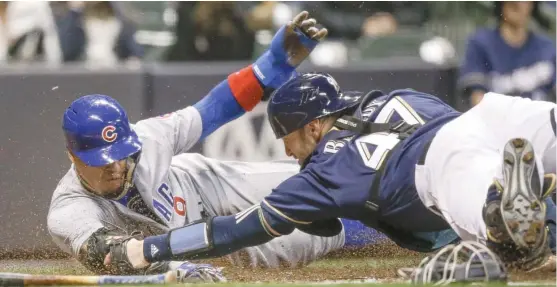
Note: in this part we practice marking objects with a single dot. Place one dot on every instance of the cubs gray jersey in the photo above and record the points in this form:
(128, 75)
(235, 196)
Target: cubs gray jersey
(173, 188)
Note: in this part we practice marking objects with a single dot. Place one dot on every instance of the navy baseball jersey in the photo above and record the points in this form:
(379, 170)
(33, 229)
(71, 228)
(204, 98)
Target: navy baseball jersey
(492, 65)
(337, 180)
(335, 183)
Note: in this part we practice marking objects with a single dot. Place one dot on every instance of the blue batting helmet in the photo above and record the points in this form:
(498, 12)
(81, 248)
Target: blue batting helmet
(305, 98)
(97, 131)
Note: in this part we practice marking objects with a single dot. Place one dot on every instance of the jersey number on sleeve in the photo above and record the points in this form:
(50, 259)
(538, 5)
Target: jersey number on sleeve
(374, 147)
(402, 108)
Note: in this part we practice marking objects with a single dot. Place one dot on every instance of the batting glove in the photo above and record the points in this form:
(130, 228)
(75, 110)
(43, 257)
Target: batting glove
(290, 46)
(199, 273)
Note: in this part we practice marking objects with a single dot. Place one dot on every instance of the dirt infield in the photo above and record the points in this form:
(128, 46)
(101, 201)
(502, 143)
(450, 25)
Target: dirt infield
(378, 262)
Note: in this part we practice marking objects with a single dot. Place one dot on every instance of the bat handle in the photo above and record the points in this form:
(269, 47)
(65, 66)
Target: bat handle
(165, 278)
(20, 280)
(15, 280)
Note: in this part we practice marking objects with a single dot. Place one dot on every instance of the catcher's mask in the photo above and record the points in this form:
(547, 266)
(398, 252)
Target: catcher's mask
(465, 262)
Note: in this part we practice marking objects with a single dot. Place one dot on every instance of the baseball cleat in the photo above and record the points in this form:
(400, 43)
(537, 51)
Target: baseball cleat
(514, 212)
(522, 210)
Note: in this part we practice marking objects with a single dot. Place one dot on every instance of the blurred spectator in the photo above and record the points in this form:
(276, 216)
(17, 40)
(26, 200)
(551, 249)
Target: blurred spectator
(28, 32)
(351, 20)
(212, 31)
(259, 16)
(98, 33)
(510, 59)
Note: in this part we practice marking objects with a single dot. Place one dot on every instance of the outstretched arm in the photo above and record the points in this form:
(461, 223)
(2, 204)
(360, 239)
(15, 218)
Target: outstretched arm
(299, 202)
(177, 132)
(218, 236)
(166, 136)
(243, 90)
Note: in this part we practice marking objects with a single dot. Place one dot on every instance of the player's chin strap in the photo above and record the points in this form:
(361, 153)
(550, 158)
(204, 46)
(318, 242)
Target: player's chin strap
(403, 129)
(131, 163)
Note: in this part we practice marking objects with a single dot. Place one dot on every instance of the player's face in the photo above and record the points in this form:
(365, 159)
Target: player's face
(104, 180)
(517, 13)
(299, 144)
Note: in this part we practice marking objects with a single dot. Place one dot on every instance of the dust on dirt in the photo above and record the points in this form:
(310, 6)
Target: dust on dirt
(378, 261)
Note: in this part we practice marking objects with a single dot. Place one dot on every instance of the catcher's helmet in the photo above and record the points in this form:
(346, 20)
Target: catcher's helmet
(467, 261)
(97, 130)
(305, 98)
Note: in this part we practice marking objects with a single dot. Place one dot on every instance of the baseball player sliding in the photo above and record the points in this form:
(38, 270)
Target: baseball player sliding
(138, 177)
(404, 163)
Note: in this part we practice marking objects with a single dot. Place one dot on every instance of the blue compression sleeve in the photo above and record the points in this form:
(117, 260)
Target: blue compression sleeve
(218, 108)
(239, 93)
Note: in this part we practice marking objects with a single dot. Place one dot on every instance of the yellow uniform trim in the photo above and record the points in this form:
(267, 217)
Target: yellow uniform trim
(410, 109)
(284, 216)
(266, 225)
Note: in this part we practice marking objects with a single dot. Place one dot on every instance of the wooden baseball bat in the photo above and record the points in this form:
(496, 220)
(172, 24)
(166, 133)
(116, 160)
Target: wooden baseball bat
(18, 279)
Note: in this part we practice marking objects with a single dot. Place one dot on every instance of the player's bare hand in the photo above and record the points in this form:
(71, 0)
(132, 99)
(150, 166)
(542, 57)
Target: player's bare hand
(135, 253)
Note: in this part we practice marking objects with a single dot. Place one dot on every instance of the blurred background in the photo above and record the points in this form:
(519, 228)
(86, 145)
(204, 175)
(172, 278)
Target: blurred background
(477, 39)
(156, 57)
(112, 32)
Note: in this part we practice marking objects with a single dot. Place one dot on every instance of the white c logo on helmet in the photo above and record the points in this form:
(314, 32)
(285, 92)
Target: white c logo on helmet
(108, 134)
